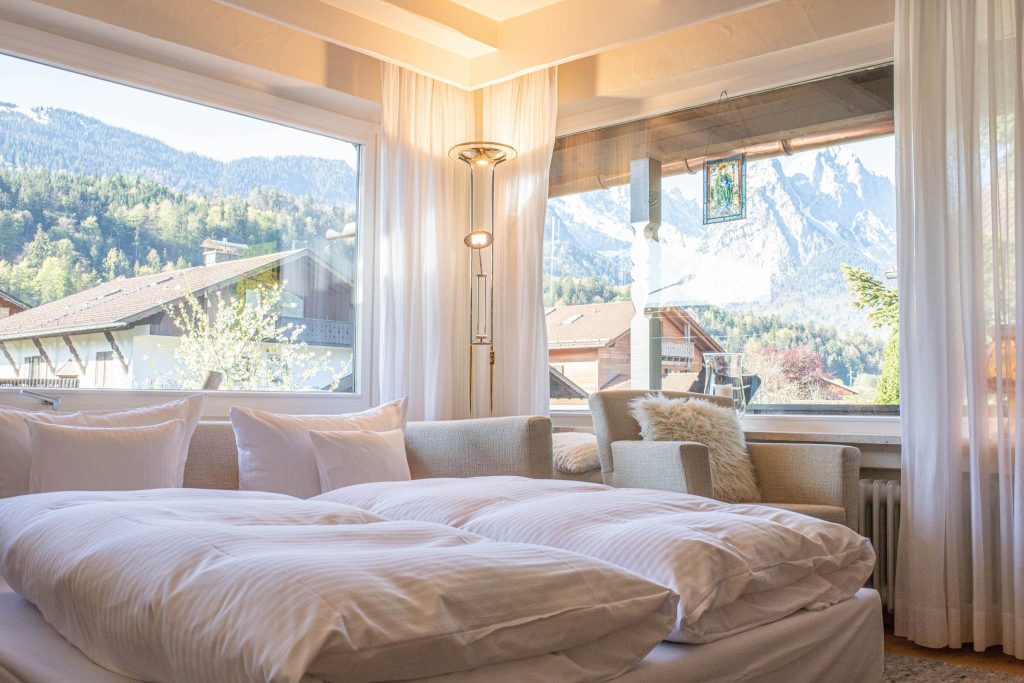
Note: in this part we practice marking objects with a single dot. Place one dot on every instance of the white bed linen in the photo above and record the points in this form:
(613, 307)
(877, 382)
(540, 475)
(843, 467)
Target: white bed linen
(16, 447)
(734, 566)
(275, 453)
(190, 585)
(842, 644)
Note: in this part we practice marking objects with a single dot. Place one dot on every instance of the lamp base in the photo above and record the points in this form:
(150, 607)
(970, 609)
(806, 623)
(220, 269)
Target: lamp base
(481, 380)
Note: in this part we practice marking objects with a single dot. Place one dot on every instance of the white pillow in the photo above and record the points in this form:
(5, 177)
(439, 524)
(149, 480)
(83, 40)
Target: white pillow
(574, 452)
(275, 452)
(16, 447)
(72, 458)
(347, 458)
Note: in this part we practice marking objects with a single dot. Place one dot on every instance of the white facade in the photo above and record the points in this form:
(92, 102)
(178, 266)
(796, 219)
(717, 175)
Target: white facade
(149, 358)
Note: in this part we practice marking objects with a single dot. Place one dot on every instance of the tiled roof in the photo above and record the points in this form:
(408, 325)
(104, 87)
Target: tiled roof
(119, 303)
(674, 381)
(589, 325)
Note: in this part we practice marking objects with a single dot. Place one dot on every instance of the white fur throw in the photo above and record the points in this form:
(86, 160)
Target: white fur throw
(678, 419)
(574, 452)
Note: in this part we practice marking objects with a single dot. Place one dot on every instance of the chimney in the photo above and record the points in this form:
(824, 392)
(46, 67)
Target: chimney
(219, 251)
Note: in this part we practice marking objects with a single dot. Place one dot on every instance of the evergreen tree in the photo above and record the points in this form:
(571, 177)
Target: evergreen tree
(884, 311)
(115, 264)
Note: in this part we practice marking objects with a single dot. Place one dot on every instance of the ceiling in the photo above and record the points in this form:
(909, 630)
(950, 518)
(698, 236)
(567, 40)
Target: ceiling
(473, 43)
(499, 10)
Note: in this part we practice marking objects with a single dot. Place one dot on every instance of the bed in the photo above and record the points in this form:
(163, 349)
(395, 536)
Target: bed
(840, 643)
(734, 566)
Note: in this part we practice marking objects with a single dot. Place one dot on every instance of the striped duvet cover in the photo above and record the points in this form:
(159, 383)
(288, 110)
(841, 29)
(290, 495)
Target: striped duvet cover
(734, 567)
(189, 585)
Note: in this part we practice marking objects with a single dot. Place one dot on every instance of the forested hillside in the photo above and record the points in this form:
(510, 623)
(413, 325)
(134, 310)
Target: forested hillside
(61, 140)
(844, 355)
(82, 202)
(62, 232)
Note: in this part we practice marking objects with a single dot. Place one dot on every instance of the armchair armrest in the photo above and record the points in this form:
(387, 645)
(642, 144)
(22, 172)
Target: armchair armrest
(680, 466)
(519, 446)
(813, 474)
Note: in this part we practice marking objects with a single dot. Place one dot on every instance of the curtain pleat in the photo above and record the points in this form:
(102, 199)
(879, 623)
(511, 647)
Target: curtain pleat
(424, 270)
(521, 112)
(960, 570)
(422, 291)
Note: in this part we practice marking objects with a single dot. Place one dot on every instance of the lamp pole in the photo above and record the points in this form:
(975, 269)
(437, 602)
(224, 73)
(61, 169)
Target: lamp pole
(481, 158)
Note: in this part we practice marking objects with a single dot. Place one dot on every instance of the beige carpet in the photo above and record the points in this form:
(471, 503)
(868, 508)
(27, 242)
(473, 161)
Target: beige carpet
(910, 668)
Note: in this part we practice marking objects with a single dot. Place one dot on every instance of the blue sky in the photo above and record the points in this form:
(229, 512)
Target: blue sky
(183, 125)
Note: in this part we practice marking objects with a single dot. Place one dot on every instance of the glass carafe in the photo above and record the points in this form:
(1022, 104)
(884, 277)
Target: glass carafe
(723, 374)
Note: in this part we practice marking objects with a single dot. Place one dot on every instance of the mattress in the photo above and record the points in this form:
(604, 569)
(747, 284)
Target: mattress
(840, 644)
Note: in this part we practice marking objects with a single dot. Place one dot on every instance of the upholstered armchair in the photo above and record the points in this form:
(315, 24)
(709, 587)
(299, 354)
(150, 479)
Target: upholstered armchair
(814, 479)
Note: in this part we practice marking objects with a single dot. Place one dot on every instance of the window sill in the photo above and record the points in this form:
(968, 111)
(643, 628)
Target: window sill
(217, 402)
(877, 436)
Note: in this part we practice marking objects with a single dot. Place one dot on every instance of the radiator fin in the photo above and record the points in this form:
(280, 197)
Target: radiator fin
(880, 522)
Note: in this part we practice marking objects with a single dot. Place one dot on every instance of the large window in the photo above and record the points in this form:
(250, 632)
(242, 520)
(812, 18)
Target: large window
(172, 245)
(803, 286)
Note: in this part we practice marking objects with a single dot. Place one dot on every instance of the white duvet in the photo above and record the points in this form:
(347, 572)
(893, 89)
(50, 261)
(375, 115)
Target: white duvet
(734, 567)
(188, 585)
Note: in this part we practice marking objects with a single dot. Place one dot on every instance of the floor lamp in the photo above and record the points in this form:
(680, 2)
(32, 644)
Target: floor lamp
(481, 158)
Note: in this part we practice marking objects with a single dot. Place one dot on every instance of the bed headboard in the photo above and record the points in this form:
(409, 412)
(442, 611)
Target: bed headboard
(519, 446)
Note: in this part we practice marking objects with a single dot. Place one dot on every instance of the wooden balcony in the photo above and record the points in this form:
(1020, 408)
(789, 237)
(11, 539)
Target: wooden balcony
(317, 332)
(52, 383)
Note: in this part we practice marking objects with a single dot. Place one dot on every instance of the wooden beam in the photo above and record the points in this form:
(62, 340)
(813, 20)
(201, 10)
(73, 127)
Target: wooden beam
(117, 350)
(74, 353)
(45, 355)
(10, 359)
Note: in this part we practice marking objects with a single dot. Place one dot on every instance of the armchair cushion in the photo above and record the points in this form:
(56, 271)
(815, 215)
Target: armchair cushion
(685, 419)
(808, 474)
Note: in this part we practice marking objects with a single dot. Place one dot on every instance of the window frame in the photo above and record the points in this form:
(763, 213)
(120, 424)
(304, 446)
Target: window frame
(824, 419)
(878, 437)
(256, 102)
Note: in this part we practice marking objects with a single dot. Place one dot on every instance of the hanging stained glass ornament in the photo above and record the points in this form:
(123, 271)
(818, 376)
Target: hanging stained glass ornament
(725, 189)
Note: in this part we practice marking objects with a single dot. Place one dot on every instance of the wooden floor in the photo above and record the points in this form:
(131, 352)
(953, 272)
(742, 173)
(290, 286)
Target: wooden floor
(991, 659)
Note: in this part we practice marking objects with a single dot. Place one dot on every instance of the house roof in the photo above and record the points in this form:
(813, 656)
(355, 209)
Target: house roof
(12, 301)
(597, 325)
(588, 326)
(119, 304)
(674, 381)
(561, 387)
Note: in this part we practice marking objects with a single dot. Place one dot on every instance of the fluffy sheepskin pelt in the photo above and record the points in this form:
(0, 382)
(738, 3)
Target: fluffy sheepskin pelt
(574, 452)
(679, 419)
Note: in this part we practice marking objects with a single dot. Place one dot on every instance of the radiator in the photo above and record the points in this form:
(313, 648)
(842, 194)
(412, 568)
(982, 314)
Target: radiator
(880, 522)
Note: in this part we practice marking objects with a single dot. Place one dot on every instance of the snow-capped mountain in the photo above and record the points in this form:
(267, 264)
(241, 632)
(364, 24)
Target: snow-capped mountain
(806, 215)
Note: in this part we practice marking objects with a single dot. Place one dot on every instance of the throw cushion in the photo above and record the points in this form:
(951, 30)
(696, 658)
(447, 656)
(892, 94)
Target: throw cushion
(16, 447)
(74, 458)
(275, 452)
(348, 458)
(574, 452)
(680, 419)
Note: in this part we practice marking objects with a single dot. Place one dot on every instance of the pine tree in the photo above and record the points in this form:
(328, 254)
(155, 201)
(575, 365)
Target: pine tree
(882, 304)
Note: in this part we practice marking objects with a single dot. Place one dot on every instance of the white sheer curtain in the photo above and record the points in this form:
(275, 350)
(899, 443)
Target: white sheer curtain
(422, 290)
(521, 113)
(961, 268)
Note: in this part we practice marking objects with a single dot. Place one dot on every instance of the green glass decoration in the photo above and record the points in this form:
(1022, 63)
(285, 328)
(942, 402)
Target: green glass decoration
(725, 189)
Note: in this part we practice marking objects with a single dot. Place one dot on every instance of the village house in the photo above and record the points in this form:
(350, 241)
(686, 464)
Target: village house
(119, 334)
(10, 304)
(589, 349)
